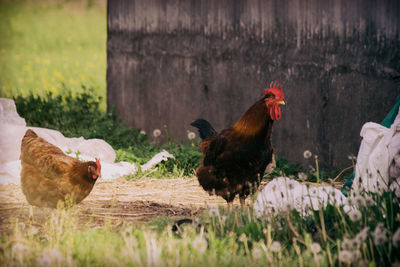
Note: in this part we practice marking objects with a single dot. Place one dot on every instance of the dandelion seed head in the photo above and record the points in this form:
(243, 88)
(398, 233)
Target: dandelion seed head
(318, 259)
(307, 154)
(213, 212)
(379, 239)
(347, 244)
(369, 201)
(288, 206)
(351, 157)
(243, 238)
(396, 238)
(156, 133)
(200, 244)
(21, 225)
(360, 201)
(362, 263)
(379, 230)
(346, 256)
(355, 215)
(256, 253)
(276, 246)
(362, 236)
(315, 248)
(302, 176)
(19, 248)
(191, 135)
(51, 257)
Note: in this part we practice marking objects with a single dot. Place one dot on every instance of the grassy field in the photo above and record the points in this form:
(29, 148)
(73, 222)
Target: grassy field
(52, 45)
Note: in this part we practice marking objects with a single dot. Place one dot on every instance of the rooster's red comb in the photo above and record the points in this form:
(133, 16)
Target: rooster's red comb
(276, 89)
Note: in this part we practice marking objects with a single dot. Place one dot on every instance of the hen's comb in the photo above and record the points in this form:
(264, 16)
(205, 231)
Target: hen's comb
(98, 164)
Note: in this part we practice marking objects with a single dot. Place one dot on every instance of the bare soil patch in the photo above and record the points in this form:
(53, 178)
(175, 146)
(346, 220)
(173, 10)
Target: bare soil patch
(116, 201)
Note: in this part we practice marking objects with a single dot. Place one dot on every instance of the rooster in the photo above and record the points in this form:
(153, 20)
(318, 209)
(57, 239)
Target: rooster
(234, 160)
(49, 176)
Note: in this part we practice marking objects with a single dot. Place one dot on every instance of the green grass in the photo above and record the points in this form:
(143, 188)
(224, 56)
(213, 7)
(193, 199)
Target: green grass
(235, 238)
(46, 44)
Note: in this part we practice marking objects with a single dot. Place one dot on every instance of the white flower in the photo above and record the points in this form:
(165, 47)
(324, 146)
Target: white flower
(156, 133)
(143, 132)
(355, 215)
(256, 253)
(346, 256)
(315, 248)
(276, 246)
(200, 244)
(396, 237)
(213, 212)
(307, 154)
(191, 135)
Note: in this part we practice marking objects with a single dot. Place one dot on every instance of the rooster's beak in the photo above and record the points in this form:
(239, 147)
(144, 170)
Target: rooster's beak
(281, 102)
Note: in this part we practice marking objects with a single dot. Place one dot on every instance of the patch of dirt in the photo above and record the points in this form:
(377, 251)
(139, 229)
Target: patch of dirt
(116, 201)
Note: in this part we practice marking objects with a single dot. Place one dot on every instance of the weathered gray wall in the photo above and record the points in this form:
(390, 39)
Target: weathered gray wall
(173, 61)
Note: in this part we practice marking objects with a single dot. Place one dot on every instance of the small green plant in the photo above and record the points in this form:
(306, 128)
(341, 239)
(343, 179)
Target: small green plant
(80, 115)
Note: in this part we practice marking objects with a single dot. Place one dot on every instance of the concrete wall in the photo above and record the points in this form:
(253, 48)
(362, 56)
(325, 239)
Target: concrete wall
(173, 61)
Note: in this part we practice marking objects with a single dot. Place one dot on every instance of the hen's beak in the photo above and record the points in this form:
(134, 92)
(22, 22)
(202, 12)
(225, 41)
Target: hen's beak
(281, 102)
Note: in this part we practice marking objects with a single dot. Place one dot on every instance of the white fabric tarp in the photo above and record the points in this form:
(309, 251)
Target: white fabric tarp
(377, 170)
(379, 153)
(13, 128)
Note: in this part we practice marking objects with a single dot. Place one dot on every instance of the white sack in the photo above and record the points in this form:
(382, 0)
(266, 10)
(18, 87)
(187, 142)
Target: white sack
(13, 128)
(377, 150)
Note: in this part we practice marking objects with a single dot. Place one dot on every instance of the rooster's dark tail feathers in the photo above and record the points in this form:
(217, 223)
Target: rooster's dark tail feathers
(204, 127)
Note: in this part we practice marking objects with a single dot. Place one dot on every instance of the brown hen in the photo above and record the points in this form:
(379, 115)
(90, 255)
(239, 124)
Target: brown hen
(48, 176)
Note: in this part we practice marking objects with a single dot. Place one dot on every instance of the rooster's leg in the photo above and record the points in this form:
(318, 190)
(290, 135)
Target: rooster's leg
(242, 202)
(230, 206)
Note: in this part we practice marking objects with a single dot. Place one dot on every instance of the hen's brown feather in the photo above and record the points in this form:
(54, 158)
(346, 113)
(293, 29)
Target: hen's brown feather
(49, 176)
